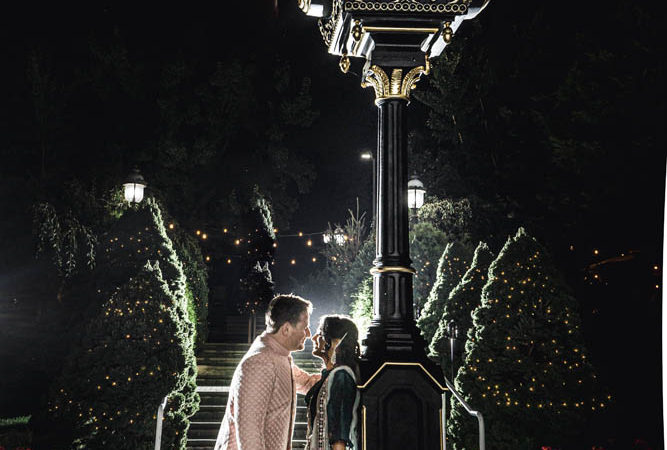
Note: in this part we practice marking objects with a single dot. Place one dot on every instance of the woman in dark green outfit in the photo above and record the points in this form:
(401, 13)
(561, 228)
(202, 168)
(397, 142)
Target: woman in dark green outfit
(333, 401)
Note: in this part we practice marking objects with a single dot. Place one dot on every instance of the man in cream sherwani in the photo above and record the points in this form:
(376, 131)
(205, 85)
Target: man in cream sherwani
(262, 399)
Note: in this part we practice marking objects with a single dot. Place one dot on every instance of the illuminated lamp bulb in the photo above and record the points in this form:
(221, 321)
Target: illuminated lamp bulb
(134, 187)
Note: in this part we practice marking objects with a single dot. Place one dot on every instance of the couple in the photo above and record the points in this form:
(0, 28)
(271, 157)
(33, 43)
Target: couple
(262, 399)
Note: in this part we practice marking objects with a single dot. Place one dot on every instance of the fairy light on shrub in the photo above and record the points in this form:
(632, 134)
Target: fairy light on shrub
(146, 304)
(522, 300)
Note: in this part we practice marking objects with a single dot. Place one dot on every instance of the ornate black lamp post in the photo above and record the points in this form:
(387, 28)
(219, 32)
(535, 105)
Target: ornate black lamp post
(401, 388)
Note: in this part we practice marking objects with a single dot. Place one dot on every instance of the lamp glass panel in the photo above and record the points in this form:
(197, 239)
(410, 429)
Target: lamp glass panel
(412, 198)
(139, 193)
(419, 197)
(129, 191)
(133, 192)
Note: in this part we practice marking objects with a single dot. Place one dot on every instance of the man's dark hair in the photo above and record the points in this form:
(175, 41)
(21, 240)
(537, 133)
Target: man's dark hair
(285, 308)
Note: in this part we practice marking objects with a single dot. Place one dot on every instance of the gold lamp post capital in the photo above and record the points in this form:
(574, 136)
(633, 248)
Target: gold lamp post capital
(397, 85)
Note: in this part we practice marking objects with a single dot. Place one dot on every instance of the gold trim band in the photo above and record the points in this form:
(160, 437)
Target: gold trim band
(399, 30)
(386, 269)
(399, 97)
(363, 386)
(451, 7)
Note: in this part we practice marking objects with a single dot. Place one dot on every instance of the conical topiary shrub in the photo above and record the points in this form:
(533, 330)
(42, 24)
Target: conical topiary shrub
(525, 364)
(454, 262)
(463, 299)
(136, 348)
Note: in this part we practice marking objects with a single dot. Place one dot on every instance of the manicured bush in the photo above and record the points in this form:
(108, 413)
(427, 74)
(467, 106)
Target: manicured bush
(463, 299)
(525, 365)
(136, 348)
(453, 264)
(15, 433)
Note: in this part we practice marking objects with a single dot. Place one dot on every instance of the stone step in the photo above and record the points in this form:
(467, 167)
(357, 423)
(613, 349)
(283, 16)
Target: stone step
(216, 363)
(210, 430)
(236, 354)
(205, 372)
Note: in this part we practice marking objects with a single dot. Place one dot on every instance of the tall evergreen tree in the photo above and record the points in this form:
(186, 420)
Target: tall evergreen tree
(426, 245)
(358, 270)
(256, 287)
(454, 262)
(137, 346)
(463, 299)
(361, 309)
(196, 279)
(525, 366)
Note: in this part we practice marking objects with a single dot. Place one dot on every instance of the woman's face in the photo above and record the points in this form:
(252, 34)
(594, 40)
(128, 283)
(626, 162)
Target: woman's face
(320, 347)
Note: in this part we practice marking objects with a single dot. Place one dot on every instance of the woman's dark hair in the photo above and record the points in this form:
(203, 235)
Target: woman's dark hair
(348, 352)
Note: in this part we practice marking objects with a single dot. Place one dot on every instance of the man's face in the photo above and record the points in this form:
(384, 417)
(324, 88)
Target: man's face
(299, 333)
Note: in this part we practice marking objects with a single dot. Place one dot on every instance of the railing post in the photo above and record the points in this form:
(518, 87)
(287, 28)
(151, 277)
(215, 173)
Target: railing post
(158, 427)
(477, 414)
(444, 420)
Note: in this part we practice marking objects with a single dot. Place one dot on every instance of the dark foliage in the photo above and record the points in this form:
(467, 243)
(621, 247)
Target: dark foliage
(136, 348)
(526, 366)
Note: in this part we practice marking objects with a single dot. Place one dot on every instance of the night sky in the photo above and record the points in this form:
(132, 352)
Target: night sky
(627, 332)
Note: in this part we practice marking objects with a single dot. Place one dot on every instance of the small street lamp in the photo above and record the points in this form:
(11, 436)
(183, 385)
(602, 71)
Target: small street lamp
(416, 193)
(134, 187)
(338, 236)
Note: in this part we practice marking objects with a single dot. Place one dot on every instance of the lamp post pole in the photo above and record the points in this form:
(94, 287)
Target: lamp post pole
(401, 389)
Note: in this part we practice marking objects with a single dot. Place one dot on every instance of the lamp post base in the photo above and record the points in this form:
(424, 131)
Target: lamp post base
(401, 408)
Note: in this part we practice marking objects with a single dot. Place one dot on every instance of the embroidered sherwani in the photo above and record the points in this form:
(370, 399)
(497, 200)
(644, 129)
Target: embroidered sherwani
(262, 399)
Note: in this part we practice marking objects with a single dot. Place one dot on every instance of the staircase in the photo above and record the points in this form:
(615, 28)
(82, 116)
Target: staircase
(215, 365)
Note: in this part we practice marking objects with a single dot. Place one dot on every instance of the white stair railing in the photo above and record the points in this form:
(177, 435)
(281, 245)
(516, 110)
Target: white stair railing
(476, 414)
(160, 411)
